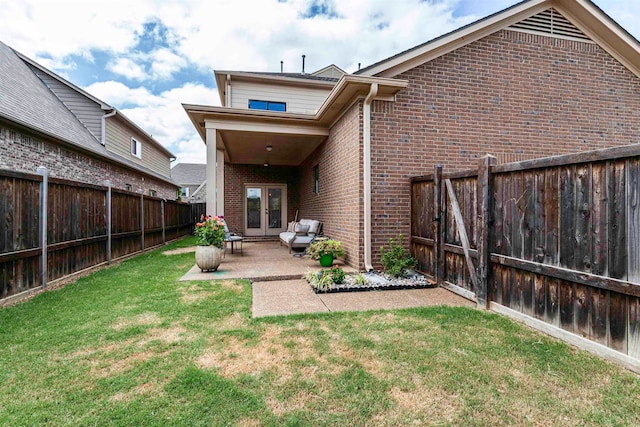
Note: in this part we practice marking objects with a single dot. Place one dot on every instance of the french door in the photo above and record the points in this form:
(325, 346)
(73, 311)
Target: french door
(265, 212)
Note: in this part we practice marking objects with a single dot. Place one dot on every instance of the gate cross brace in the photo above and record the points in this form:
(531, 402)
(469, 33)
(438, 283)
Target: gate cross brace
(462, 232)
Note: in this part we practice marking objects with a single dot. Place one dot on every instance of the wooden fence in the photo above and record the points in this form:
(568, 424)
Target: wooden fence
(86, 225)
(553, 242)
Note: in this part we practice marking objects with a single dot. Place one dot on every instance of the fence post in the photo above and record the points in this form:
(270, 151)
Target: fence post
(163, 224)
(438, 219)
(108, 184)
(484, 208)
(44, 202)
(142, 221)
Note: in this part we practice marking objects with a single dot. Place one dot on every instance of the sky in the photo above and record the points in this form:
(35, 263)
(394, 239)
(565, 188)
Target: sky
(147, 57)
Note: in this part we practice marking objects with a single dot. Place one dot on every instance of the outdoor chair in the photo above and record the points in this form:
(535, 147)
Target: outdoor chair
(230, 237)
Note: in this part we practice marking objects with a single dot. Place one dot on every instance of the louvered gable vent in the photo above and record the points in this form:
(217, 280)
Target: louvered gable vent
(551, 23)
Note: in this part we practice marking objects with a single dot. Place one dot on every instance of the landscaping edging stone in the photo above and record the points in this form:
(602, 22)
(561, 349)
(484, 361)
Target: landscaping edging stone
(380, 282)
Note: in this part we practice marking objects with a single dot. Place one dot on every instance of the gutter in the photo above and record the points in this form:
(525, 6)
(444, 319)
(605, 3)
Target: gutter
(367, 174)
(103, 137)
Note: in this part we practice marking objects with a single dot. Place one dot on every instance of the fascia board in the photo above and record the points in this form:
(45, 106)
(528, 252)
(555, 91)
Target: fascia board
(457, 39)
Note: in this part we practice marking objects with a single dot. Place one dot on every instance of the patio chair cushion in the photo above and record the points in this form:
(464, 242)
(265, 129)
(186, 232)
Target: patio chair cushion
(313, 224)
(291, 227)
(301, 229)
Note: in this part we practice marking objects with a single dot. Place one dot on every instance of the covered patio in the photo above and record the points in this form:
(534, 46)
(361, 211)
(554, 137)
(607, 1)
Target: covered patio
(261, 261)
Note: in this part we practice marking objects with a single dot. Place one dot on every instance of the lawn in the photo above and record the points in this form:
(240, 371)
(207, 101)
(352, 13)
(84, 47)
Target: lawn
(130, 345)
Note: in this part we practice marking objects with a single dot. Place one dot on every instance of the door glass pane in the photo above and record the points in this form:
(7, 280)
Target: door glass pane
(275, 208)
(254, 200)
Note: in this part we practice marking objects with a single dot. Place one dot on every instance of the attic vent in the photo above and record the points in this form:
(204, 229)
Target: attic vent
(550, 22)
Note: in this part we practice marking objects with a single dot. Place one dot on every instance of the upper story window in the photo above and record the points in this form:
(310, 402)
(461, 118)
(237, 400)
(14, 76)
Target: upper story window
(185, 192)
(267, 105)
(136, 148)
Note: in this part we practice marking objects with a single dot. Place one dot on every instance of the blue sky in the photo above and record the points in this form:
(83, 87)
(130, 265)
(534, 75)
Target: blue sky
(146, 57)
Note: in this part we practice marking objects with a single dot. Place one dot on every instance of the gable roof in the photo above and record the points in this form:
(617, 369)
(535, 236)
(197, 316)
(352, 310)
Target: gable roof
(103, 105)
(189, 173)
(584, 14)
(26, 101)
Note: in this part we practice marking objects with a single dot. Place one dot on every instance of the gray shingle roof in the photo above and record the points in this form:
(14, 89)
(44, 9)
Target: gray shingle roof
(189, 173)
(26, 100)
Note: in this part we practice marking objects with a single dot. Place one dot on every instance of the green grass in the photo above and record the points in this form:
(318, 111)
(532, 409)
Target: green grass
(130, 345)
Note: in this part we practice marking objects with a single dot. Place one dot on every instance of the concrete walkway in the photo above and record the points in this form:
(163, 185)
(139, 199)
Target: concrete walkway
(278, 287)
(285, 297)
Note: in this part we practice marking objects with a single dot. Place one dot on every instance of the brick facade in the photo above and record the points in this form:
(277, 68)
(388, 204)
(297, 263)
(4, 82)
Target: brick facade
(511, 94)
(22, 152)
(235, 176)
(340, 202)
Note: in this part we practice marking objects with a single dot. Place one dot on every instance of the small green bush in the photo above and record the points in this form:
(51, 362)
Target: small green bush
(337, 275)
(396, 261)
(360, 279)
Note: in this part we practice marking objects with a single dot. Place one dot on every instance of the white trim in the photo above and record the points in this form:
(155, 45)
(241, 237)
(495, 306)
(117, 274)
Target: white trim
(138, 150)
(265, 127)
(605, 352)
(264, 229)
(212, 152)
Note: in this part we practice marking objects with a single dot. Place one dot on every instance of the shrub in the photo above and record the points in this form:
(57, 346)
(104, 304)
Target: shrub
(396, 261)
(337, 275)
(210, 232)
(325, 247)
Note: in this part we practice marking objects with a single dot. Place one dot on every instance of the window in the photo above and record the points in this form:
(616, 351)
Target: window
(128, 187)
(153, 193)
(136, 148)
(185, 192)
(267, 105)
(316, 180)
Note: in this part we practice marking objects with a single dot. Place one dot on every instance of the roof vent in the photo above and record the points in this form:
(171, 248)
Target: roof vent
(550, 23)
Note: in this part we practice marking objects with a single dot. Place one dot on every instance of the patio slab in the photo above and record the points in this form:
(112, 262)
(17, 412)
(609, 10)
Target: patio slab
(296, 297)
(260, 261)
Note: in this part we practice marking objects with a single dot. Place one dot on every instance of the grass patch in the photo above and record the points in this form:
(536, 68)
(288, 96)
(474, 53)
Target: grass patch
(130, 345)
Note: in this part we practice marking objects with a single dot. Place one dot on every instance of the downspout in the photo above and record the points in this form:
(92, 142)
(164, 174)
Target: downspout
(367, 174)
(103, 137)
(227, 91)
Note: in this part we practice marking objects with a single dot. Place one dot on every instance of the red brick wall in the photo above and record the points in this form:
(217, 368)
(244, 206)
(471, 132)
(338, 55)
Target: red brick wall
(510, 94)
(235, 176)
(339, 203)
(20, 151)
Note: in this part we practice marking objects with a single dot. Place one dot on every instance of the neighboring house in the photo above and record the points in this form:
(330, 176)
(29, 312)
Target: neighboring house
(541, 78)
(192, 178)
(47, 121)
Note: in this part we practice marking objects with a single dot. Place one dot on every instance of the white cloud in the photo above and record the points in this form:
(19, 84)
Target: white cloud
(162, 115)
(127, 68)
(164, 63)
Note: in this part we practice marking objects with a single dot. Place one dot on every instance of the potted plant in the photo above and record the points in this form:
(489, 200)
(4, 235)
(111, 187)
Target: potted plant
(210, 236)
(325, 251)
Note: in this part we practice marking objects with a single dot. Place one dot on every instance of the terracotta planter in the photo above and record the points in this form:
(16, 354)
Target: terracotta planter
(326, 260)
(208, 258)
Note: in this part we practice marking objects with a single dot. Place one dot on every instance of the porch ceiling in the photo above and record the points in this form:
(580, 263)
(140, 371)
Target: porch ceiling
(246, 147)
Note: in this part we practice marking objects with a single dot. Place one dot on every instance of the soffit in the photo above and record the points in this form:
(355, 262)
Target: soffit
(244, 147)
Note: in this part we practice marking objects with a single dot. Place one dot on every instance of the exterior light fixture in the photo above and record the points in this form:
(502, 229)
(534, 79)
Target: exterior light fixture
(269, 147)
(266, 164)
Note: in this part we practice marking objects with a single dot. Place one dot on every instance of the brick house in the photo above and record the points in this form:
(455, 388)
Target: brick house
(544, 77)
(46, 120)
(192, 178)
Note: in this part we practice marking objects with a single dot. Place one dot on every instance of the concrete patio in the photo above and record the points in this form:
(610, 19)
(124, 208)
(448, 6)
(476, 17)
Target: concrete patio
(278, 288)
(260, 261)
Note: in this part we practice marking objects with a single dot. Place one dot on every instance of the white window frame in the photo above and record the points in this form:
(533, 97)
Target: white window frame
(184, 191)
(136, 148)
